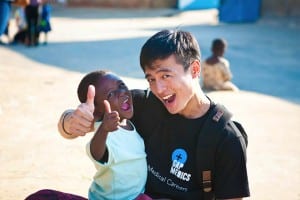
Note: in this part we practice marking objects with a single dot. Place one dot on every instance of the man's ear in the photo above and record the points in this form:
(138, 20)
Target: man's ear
(195, 69)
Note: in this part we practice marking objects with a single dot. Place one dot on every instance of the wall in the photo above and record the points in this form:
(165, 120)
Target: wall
(278, 7)
(281, 7)
(125, 3)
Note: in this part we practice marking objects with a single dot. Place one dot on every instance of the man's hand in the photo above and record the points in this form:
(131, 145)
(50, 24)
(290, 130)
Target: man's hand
(80, 121)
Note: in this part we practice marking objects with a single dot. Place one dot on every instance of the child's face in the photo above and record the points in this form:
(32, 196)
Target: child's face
(113, 89)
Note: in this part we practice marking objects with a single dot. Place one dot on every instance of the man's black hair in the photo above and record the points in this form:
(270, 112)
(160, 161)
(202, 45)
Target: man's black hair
(167, 42)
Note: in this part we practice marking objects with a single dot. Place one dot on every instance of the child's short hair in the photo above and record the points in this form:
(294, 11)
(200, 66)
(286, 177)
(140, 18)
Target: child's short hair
(91, 78)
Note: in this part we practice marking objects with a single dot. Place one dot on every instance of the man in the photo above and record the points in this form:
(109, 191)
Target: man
(170, 118)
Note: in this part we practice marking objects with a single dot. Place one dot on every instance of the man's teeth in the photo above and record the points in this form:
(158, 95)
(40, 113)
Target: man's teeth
(167, 97)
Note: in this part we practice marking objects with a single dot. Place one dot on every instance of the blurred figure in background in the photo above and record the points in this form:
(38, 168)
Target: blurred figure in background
(20, 18)
(44, 23)
(4, 14)
(6, 34)
(216, 72)
(32, 15)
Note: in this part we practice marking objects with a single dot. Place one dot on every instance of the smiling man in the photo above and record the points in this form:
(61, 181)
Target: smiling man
(170, 118)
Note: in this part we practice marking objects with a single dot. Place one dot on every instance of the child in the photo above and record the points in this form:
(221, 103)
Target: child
(44, 24)
(216, 72)
(116, 149)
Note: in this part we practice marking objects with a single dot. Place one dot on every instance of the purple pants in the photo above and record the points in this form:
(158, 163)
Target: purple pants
(57, 195)
(53, 195)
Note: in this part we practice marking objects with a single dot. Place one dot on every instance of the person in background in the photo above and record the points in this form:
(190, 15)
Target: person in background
(5, 6)
(32, 15)
(6, 34)
(216, 71)
(21, 34)
(44, 22)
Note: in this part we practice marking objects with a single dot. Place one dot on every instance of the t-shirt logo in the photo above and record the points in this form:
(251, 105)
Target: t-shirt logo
(179, 158)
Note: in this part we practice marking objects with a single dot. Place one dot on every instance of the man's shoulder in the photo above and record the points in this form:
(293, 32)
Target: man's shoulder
(145, 96)
(138, 93)
(221, 124)
(145, 100)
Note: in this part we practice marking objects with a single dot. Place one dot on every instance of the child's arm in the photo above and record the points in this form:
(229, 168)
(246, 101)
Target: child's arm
(109, 123)
(98, 146)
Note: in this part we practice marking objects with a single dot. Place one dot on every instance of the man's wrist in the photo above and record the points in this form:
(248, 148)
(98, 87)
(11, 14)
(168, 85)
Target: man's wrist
(65, 114)
(61, 124)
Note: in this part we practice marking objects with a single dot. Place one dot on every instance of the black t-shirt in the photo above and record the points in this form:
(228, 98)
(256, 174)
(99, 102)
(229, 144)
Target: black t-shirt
(170, 142)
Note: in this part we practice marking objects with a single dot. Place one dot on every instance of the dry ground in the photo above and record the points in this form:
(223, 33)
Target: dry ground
(34, 156)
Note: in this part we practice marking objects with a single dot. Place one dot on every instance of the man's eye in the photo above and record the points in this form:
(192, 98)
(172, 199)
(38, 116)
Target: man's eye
(150, 80)
(165, 76)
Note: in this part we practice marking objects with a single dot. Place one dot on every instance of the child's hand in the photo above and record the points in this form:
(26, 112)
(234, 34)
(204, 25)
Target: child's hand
(111, 119)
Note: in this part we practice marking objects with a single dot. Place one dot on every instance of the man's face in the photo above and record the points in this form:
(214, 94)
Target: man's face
(171, 84)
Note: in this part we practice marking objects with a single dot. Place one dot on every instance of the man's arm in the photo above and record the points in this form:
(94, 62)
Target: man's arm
(61, 124)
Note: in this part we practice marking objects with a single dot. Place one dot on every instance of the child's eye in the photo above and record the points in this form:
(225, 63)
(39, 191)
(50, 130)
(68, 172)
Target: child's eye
(122, 86)
(110, 94)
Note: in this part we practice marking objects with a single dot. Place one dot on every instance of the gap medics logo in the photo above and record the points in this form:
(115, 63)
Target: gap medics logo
(179, 158)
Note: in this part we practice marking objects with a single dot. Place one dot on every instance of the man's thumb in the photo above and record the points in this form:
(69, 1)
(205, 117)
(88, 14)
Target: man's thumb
(107, 106)
(90, 95)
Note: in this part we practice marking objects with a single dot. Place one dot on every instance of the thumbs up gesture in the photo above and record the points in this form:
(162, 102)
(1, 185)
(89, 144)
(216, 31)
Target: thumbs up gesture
(111, 119)
(90, 98)
(81, 120)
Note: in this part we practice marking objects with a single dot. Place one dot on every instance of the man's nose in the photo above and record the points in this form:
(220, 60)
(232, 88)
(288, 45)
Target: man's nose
(160, 87)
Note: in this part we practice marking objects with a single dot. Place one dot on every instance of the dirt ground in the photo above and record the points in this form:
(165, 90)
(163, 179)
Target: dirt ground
(34, 156)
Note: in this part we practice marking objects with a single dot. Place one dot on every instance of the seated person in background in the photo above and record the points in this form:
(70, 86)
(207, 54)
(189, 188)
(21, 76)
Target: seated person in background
(216, 72)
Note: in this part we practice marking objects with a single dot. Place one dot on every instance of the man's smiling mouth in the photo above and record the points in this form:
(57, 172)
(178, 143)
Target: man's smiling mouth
(169, 98)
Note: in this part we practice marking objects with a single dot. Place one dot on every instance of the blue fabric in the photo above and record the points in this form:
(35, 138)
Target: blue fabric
(4, 15)
(239, 10)
(197, 4)
(44, 25)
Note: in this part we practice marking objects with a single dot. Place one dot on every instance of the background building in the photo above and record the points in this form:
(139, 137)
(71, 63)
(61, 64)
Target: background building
(280, 7)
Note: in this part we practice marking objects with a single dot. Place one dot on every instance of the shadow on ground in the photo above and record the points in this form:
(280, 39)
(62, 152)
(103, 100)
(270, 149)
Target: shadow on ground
(263, 55)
